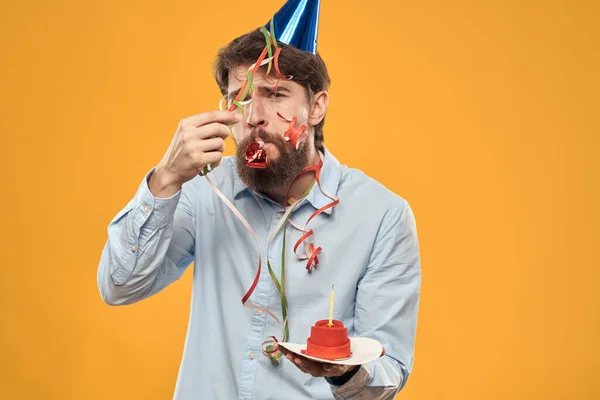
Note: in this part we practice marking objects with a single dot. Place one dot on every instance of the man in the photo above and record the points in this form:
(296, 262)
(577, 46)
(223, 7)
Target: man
(367, 244)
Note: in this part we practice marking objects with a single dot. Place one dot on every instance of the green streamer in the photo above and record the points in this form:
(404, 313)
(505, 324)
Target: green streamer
(269, 49)
(273, 32)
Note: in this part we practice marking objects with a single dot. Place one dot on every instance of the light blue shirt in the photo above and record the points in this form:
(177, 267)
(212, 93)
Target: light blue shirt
(370, 253)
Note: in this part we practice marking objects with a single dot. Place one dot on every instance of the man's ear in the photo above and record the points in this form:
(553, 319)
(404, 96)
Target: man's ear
(319, 103)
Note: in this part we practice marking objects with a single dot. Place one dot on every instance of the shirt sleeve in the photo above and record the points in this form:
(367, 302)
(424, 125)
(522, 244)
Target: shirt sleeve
(386, 309)
(150, 244)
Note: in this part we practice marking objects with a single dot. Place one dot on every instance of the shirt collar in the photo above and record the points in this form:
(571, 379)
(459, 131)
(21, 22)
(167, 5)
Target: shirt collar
(331, 173)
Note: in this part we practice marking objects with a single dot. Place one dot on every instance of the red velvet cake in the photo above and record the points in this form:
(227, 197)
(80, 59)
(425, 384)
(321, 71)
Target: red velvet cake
(328, 342)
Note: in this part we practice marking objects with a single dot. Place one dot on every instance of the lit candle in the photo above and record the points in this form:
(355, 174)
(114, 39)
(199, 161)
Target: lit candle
(330, 324)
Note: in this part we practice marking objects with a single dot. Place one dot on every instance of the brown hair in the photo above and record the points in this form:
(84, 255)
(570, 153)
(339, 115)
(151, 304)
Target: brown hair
(307, 69)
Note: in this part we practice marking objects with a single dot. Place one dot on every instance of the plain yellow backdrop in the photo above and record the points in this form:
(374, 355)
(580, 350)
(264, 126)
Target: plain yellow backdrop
(483, 115)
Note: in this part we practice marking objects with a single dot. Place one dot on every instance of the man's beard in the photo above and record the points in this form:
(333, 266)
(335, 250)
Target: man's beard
(280, 172)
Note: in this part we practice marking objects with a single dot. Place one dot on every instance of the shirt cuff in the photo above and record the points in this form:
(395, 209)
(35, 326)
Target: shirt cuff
(155, 212)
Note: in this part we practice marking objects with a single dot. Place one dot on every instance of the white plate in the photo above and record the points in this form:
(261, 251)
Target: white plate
(363, 350)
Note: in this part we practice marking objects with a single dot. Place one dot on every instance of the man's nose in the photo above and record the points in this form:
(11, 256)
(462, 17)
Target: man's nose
(256, 114)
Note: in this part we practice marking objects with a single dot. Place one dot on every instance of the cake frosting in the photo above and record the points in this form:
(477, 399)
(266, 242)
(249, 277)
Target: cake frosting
(328, 342)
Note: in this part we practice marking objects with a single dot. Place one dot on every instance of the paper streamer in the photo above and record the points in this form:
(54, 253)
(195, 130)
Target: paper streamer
(247, 225)
(312, 252)
(295, 136)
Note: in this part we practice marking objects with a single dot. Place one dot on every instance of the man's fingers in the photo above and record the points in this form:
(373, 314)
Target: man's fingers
(313, 368)
(290, 356)
(213, 144)
(211, 157)
(295, 359)
(308, 367)
(215, 165)
(335, 370)
(211, 130)
(318, 369)
(208, 117)
(282, 349)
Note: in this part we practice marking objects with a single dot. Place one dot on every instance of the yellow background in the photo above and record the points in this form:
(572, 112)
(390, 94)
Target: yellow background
(483, 115)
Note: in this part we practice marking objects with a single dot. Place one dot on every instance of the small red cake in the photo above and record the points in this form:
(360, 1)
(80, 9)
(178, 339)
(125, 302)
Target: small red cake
(328, 342)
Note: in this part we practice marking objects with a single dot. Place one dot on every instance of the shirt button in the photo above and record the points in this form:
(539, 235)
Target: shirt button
(259, 312)
(133, 247)
(279, 215)
(270, 261)
(252, 355)
(146, 208)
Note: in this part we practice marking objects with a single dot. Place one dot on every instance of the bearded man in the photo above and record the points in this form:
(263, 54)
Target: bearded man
(366, 236)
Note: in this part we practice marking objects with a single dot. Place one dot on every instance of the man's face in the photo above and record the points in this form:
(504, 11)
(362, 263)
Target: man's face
(290, 101)
(260, 120)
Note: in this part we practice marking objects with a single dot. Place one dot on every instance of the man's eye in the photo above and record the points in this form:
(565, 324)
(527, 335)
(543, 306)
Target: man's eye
(276, 95)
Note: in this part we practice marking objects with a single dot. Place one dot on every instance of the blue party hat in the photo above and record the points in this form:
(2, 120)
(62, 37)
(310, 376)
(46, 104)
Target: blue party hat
(297, 24)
